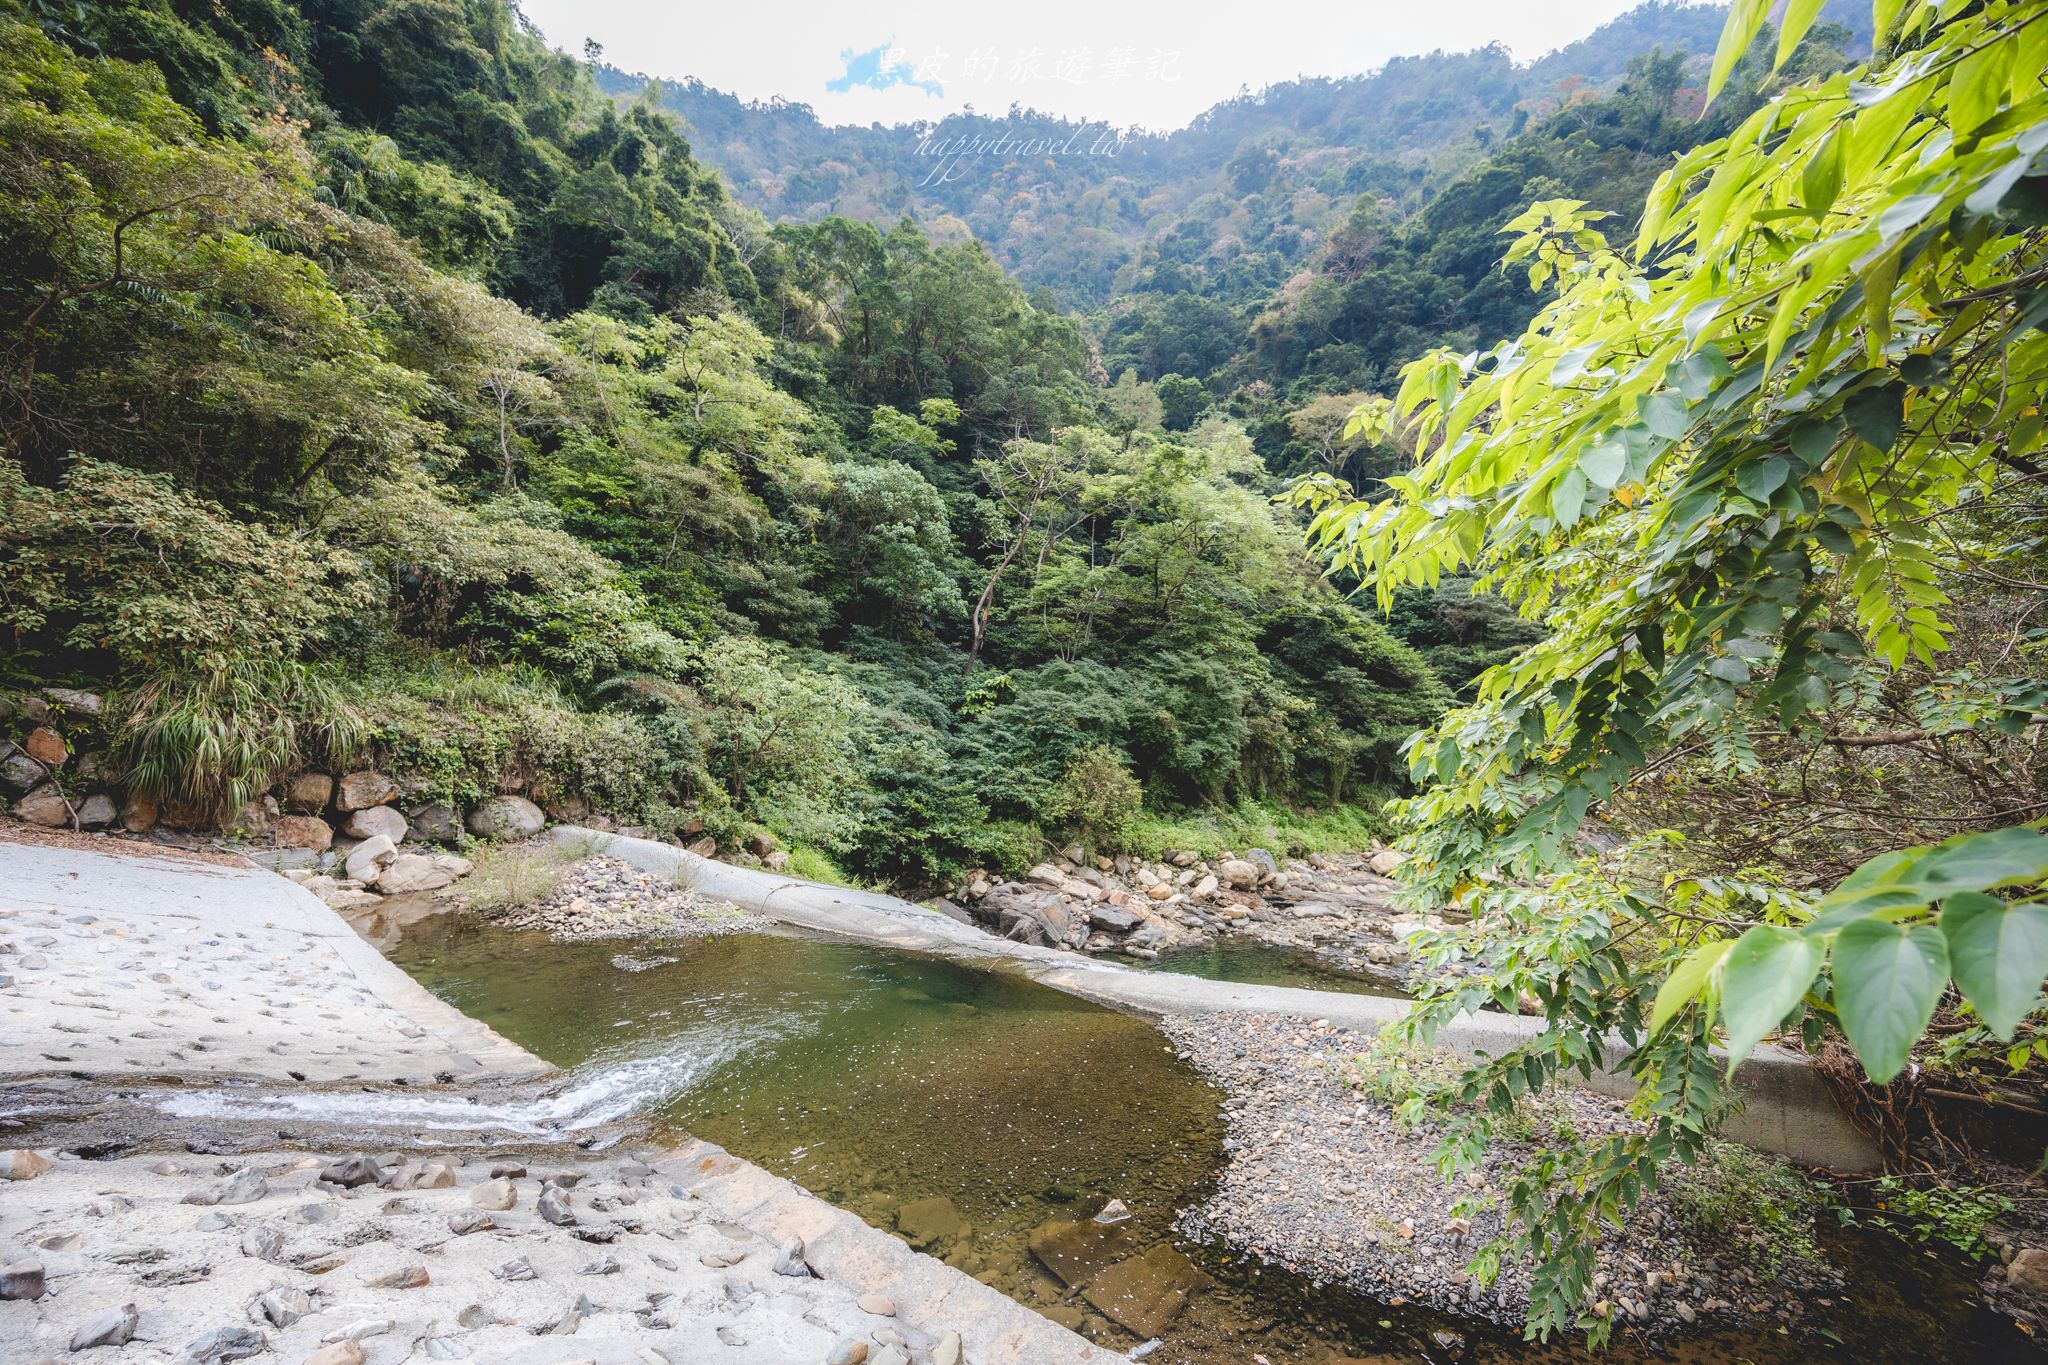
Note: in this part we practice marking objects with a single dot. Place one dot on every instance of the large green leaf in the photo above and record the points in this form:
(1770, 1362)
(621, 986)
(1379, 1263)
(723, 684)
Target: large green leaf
(1888, 979)
(1877, 414)
(1763, 976)
(1744, 19)
(1687, 979)
(1999, 954)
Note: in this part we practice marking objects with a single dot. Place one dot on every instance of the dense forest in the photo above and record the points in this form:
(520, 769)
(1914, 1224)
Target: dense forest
(377, 385)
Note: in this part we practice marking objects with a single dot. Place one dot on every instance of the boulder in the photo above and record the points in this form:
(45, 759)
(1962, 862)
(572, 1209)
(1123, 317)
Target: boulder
(22, 1280)
(1239, 873)
(371, 821)
(1206, 887)
(139, 813)
(413, 872)
(18, 772)
(344, 899)
(44, 806)
(566, 810)
(257, 818)
(1386, 861)
(1145, 1293)
(308, 793)
(1114, 918)
(46, 747)
(369, 859)
(760, 845)
(506, 817)
(97, 811)
(1159, 891)
(303, 831)
(358, 790)
(454, 864)
(1046, 875)
(1184, 858)
(1078, 1251)
(439, 823)
(1262, 859)
(114, 1327)
(927, 1223)
(91, 705)
(178, 813)
(775, 861)
(703, 846)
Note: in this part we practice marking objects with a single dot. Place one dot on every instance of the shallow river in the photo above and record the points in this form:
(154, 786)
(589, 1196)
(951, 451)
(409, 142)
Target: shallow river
(971, 1108)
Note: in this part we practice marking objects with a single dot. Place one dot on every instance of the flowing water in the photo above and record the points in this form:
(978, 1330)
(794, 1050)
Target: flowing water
(968, 1108)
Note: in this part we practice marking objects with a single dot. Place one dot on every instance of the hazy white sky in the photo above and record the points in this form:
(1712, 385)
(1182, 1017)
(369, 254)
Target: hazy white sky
(1140, 62)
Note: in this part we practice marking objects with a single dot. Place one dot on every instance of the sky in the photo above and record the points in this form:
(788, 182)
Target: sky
(1142, 62)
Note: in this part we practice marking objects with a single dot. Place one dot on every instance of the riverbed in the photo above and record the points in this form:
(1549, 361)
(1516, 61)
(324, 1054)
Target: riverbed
(973, 1112)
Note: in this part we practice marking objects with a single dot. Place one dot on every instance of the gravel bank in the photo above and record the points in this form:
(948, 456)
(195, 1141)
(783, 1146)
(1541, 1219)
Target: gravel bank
(1323, 1181)
(601, 897)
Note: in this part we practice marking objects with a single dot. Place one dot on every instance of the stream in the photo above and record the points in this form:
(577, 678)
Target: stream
(965, 1109)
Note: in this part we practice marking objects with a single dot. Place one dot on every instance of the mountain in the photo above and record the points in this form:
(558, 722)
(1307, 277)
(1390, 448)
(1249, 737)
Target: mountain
(1251, 187)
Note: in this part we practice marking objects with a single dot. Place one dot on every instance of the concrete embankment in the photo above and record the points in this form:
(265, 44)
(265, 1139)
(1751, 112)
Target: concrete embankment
(1787, 1108)
(397, 1227)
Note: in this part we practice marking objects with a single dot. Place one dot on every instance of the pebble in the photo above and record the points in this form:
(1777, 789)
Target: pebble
(284, 1305)
(789, 1259)
(554, 1207)
(224, 1343)
(881, 1305)
(22, 1280)
(947, 1352)
(361, 1329)
(337, 1353)
(847, 1351)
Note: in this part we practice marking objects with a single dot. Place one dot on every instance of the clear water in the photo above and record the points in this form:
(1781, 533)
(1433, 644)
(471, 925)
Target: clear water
(880, 1080)
(1261, 964)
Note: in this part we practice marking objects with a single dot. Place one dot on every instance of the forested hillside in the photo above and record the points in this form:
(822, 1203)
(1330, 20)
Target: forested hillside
(375, 386)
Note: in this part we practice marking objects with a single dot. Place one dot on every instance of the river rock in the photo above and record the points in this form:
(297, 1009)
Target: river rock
(1387, 861)
(439, 823)
(554, 1207)
(1239, 873)
(789, 1259)
(308, 793)
(358, 790)
(423, 1175)
(115, 1327)
(470, 1220)
(930, 1222)
(371, 821)
(413, 872)
(496, 1195)
(367, 860)
(1075, 1252)
(1114, 918)
(506, 817)
(881, 1305)
(245, 1186)
(948, 1351)
(1205, 887)
(22, 1280)
(224, 1343)
(847, 1351)
(347, 898)
(44, 806)
(404, 1277)
(284, 1305)
(337, 1353)
(91, 705)
(352, 1171)
(263, 1243)
(303, 831)
(1264, 861)
(1145, 1293)
(22, 1163)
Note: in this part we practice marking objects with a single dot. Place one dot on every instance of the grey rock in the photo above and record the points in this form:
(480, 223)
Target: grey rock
(91, 705)
(369, 858)
(245, 1186)
(371, 821)
(436, 824)
(554, 1207)
(265, 1244)
(18, 771)
(463, 1224)
(224, 1343)
(22, 1280)
(308, 793)
(115, 1327)
(352, 1171)
(97, 811)
(789, 1259)
(603, 1265)
(360, 789)
(284, 1305)
(45, 806)
(410, 873)
(506, 817)
(361, 1330)
(518, 1268)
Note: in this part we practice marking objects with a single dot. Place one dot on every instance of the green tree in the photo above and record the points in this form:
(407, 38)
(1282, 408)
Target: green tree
(1736, 475)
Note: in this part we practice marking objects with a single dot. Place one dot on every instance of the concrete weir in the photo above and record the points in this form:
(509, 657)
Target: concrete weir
(1787, 1108)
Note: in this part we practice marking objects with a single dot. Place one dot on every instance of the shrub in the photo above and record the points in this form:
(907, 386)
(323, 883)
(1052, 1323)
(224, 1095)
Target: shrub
(1098, 798)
